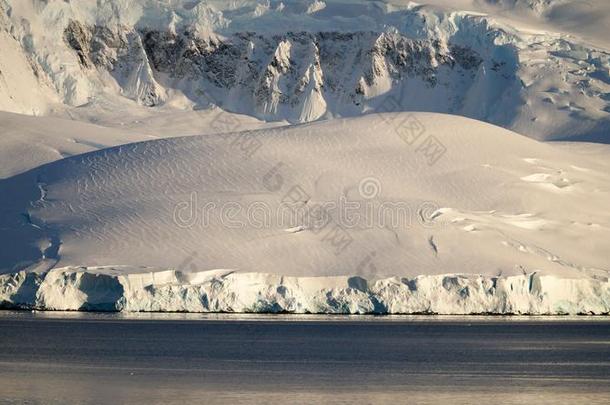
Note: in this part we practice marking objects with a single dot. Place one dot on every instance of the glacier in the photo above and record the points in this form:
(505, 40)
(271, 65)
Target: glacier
(136, 290)
(485, 227)
(163, 142)
(290, 64)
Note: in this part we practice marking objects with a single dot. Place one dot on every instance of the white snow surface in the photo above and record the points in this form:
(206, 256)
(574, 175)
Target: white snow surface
(498, 223)
(538, 67)
(274, 156)
(27, 142)
(152, 290)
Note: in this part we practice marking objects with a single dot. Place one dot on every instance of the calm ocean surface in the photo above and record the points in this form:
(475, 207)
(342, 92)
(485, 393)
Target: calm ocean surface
(58, 357)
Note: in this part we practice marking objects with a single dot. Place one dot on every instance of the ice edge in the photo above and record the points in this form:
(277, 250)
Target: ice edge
(103, 289)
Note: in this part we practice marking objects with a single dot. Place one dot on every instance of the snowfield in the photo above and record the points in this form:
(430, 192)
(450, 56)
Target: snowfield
(39, 140)
(509, 63)
(305, 156)
(349, 215)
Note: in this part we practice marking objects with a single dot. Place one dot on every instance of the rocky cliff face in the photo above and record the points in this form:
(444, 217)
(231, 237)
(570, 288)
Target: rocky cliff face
(540, 84)
(278, 76)
(120, 52)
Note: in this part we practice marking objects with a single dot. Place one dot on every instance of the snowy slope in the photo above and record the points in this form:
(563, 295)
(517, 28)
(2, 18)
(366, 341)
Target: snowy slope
(27, 142)
(304, 60)
(383, 213)
(588, 20)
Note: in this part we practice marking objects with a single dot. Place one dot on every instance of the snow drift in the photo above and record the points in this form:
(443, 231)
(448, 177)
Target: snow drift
(382, 213)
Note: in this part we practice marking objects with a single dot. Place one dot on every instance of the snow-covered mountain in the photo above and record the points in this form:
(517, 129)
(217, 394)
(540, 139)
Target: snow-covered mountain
(304, 60)
(191, 155)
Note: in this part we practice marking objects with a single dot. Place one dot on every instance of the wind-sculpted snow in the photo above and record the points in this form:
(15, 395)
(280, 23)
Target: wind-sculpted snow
(392, 204)
(309, 60)
(117, 289)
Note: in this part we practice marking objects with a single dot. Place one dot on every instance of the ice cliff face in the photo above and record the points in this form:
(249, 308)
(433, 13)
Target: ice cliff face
(116, 289)
(305, 61)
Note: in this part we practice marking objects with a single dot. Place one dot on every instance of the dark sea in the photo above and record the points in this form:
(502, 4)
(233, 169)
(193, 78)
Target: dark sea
(88, 358)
